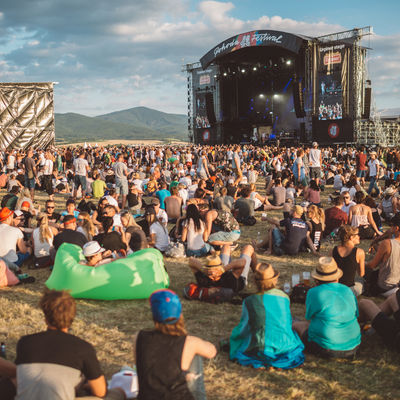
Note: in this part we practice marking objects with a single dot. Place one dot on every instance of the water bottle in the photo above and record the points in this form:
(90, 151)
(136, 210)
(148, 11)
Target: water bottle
(3, 350)
(259, 240)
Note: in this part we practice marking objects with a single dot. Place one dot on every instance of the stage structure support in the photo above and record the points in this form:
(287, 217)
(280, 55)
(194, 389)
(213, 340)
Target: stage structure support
(188, 68)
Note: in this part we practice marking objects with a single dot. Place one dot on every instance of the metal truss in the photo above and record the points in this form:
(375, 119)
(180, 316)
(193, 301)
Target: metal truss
(350, 34)
(188, 68)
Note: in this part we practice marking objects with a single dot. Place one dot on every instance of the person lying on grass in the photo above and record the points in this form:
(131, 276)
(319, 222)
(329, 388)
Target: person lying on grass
(264, 336)
(95, 254)
(220, 273)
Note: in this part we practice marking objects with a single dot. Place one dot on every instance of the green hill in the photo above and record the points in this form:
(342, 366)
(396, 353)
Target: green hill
(135, 123)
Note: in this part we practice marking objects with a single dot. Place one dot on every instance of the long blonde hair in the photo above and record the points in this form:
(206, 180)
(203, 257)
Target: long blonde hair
(45, 232)
(87, 225)
(130, 220)
(25, 193)
(317, 213)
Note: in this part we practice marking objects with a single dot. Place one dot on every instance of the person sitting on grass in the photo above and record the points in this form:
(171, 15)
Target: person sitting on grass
(264, 336)
(350, 259)
(295, 237)
(379, 316)
(331, 329)
(220, 272)
(51, 364)
(168, 360)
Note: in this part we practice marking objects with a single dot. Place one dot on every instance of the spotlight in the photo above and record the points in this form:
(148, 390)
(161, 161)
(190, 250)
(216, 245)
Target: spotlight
(276, 96)
(288, 62)
(261, 96)
(243, 70)
(254, 68)
(225, 74)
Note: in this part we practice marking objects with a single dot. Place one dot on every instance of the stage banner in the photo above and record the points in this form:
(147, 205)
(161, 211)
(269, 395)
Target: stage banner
(285, 40)
(204, 79)
(333, 73)
(200, 116)
(330, 131)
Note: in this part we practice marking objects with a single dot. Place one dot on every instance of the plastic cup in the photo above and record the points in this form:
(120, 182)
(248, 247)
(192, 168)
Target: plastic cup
(295, 279)
(306, 278)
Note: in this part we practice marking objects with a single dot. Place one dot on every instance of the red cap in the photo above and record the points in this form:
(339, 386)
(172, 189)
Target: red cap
(25, 204)
(5, 213)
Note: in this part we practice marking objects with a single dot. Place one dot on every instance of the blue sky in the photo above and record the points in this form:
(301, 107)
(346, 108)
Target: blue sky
(115, 55)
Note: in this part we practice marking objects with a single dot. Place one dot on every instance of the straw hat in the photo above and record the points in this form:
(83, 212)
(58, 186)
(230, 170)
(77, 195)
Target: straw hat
(389, 191)
(213, 261)
(327, 270)
(266, 274)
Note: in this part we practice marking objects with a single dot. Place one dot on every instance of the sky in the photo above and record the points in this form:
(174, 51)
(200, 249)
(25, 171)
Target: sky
(114, 55)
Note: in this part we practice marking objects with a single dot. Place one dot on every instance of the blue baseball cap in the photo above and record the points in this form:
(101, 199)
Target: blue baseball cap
(165, 306)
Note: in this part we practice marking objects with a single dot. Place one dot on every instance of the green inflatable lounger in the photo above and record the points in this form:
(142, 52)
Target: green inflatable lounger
(135, 277)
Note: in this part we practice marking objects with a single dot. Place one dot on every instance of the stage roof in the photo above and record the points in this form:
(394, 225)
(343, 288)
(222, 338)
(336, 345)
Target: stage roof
(284, 40)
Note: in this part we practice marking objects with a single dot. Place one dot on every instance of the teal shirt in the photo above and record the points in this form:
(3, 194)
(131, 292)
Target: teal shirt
(332, 311)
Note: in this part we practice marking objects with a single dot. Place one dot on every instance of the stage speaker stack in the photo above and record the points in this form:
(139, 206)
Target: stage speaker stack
(298, 99)
(210, 108)
(303, 135)
(367, 103)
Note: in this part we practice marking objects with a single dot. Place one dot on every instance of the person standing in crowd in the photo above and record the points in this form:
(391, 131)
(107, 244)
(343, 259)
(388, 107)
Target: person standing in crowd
(361, 167)
(81, 168)
(373, 171)
(30, 173)
(47, 182)
(121, 180)
(315, 162)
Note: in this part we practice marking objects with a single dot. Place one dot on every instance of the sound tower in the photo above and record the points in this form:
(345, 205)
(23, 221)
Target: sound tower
(298, 99)
(367, 103)
(210, 108)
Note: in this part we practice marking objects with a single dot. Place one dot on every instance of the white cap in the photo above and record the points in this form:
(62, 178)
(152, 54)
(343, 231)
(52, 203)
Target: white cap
(92, 248)
(315, 144)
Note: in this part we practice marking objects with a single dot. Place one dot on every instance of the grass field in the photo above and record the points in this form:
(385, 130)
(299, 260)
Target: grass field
(110, 326)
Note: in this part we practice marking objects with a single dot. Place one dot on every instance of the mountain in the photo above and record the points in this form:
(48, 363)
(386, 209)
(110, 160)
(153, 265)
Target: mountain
(390, 112)
(135, 123)
(170, 124)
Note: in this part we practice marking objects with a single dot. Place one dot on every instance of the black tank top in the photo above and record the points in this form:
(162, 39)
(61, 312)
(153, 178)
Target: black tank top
(316, 234)
(158, 362)
(348, 265)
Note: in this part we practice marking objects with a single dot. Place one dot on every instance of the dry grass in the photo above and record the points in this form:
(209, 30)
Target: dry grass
(110, 326)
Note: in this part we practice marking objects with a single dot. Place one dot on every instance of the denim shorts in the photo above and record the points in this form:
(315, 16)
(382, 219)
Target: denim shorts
(200, 252)
(80, 180)
(222, 236)
(121, 186)
(29, 183)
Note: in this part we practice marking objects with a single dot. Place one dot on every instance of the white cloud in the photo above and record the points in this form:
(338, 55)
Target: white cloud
(109, 57)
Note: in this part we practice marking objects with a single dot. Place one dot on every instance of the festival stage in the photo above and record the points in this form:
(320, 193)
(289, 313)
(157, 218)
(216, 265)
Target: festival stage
(268, 85)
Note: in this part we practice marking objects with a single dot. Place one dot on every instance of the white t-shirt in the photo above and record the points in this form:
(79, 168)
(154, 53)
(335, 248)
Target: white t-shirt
(315, 158)
(183, 193)
(42, 249)
(80, 165)
(112, 201)
(8, 243)
(162, 215)
(162, 238)
(372, 164)
(48, 167)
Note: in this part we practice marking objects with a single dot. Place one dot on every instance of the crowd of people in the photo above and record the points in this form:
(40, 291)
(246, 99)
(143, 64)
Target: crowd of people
(196, 201)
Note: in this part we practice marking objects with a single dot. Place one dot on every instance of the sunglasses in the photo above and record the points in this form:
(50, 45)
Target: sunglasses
(51, 207)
